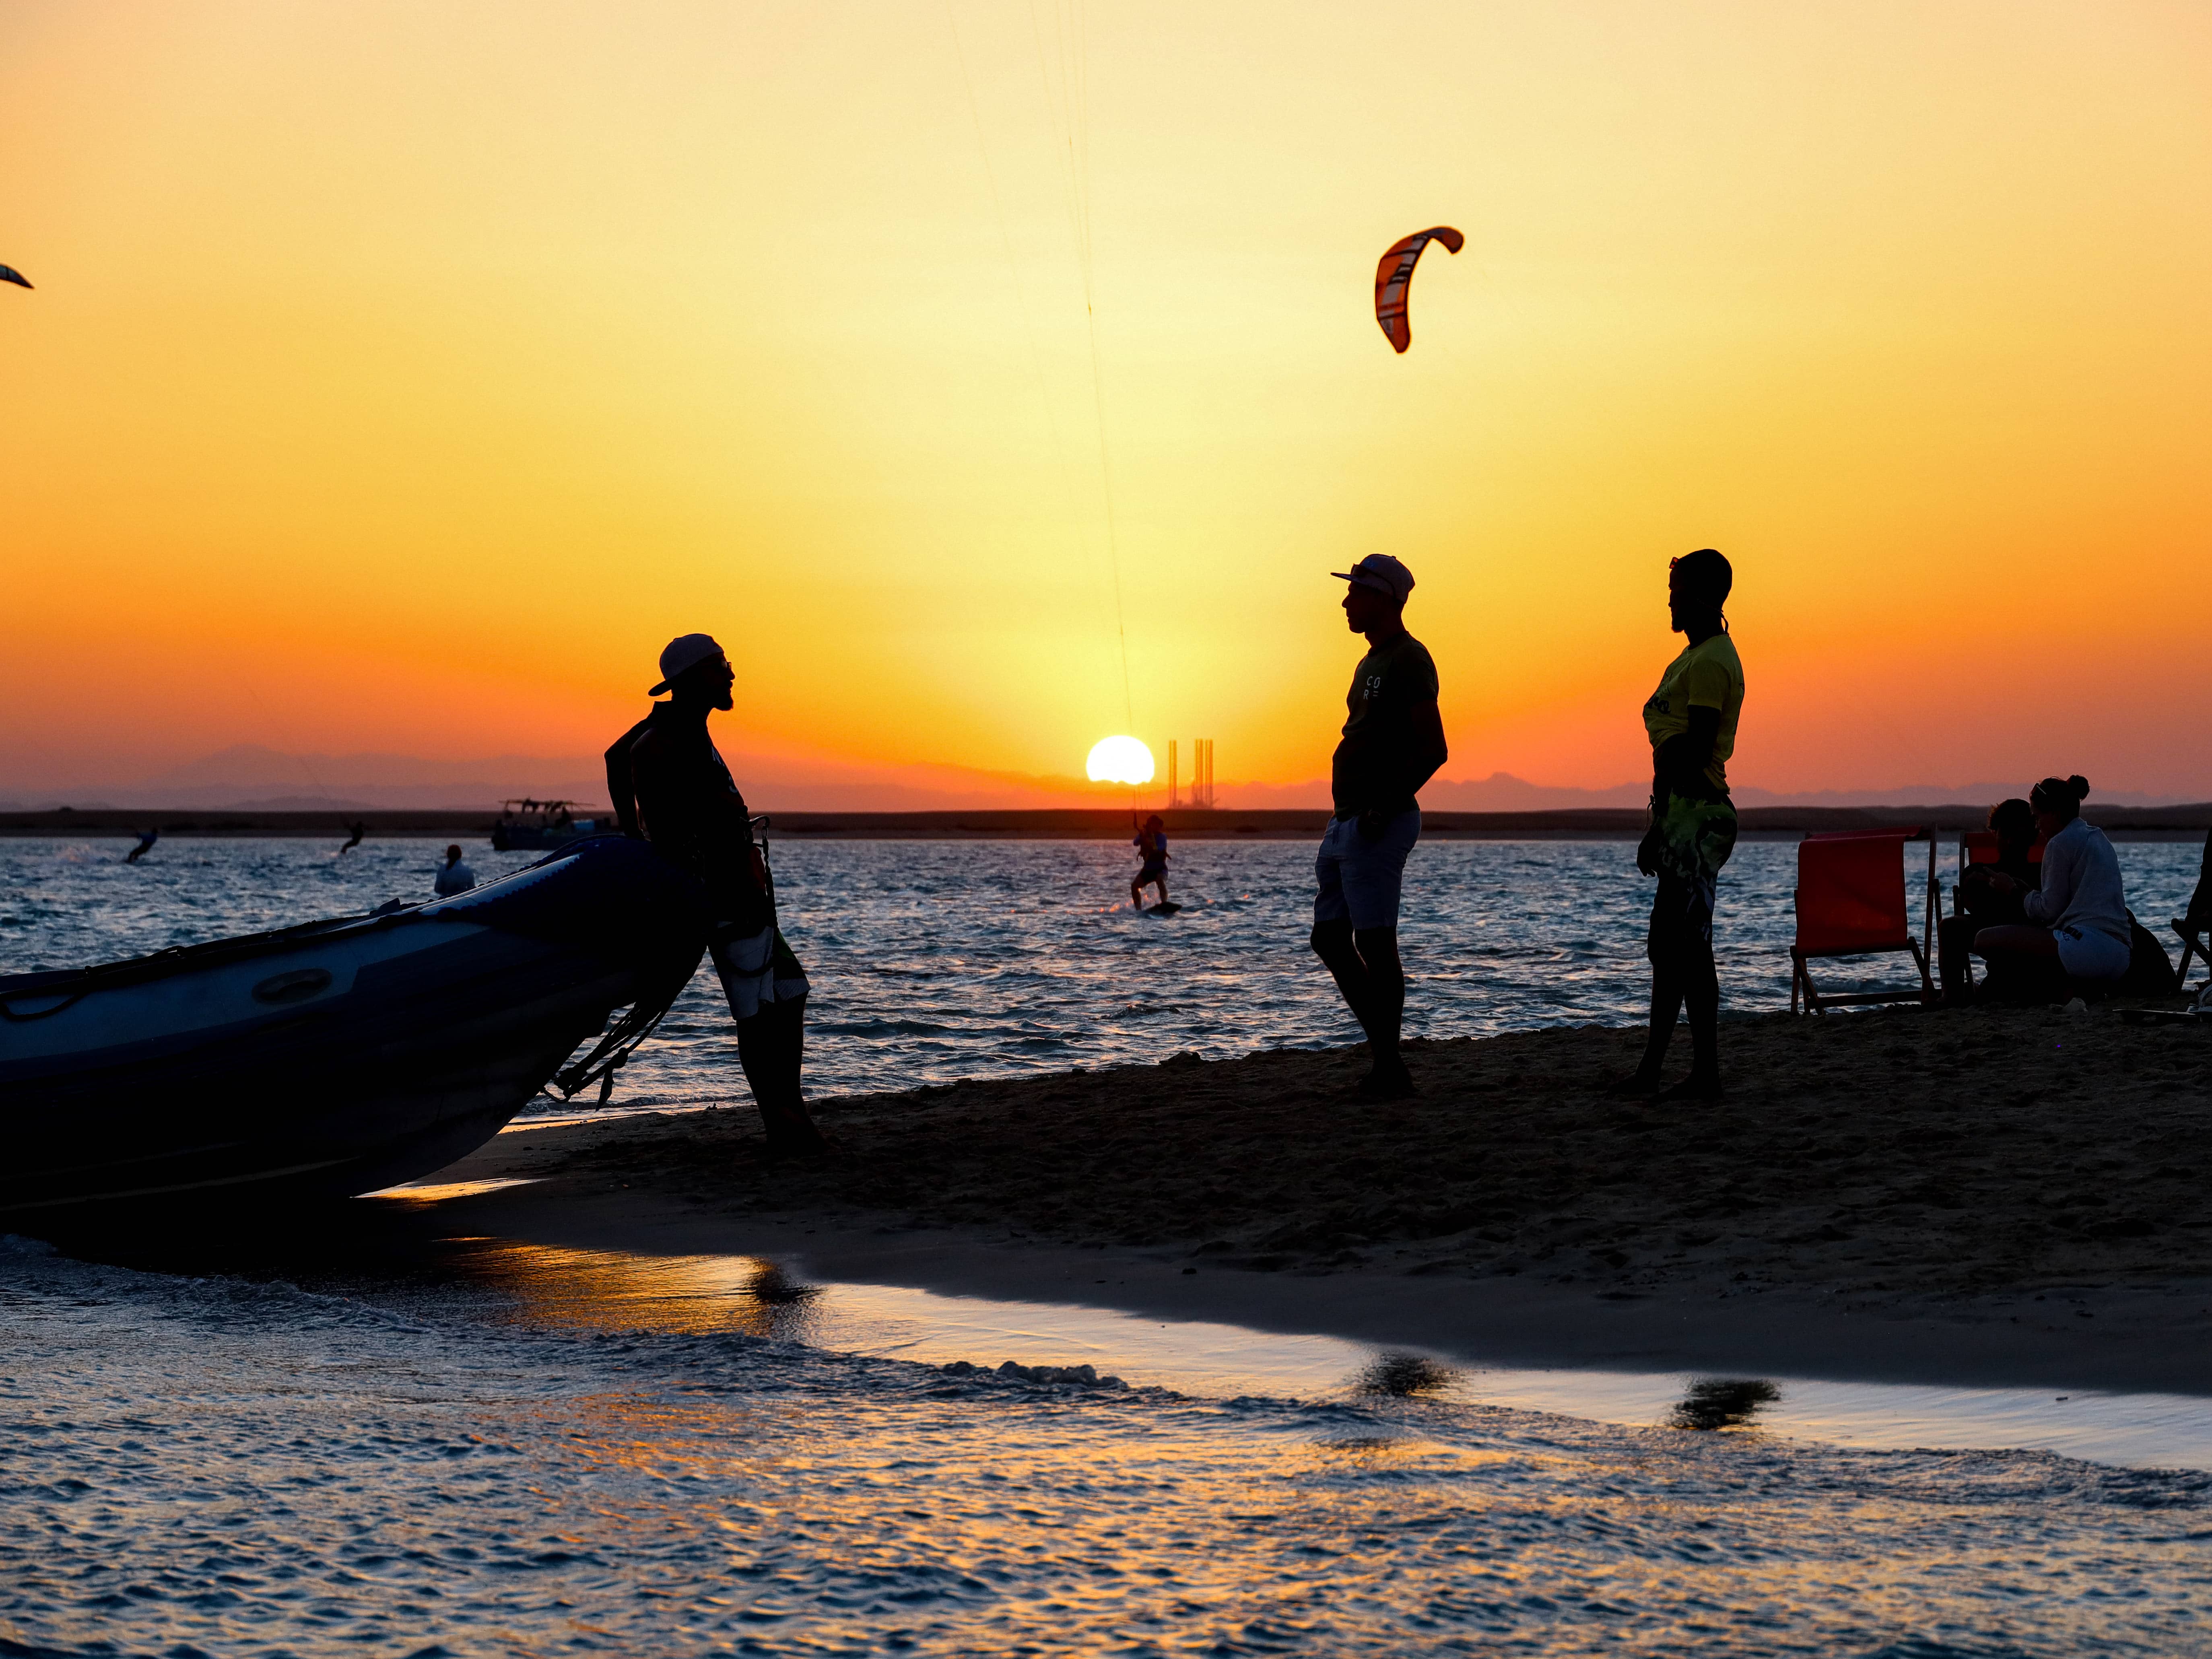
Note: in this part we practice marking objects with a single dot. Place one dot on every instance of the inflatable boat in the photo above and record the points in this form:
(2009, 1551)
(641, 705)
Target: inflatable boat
(335, 1057)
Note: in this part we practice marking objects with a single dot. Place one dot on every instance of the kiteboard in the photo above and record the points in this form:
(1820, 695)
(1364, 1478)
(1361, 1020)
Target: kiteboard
(1163, 909)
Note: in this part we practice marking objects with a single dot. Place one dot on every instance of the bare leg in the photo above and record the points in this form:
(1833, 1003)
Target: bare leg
(771, 1047)
(1368, 974)
(1386, 990)
(1954, 938)
(1701, 993)
(1667, 997)
(1332, 943)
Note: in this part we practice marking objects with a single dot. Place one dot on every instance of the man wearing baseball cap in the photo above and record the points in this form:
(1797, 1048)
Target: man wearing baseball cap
(670, 787)
(1392, 744)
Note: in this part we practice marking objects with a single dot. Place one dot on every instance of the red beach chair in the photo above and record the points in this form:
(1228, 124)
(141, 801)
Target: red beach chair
(1851, 902)
(2195, 923)
(1980, 846)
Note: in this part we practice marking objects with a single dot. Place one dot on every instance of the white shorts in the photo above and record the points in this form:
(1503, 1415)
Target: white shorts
(757, 969)
(2085, 953)
(1359, 880)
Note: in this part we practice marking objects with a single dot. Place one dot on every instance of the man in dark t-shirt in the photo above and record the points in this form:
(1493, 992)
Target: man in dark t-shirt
(1392, 744)
(670, 787)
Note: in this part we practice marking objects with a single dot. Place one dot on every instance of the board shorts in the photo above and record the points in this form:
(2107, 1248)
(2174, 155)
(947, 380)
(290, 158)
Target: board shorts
(1695, 840)
(2086, 954)
(1360, 878)
(757, 969)
(1153, 872)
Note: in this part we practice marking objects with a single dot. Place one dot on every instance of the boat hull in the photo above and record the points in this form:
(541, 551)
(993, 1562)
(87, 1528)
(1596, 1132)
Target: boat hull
(333, 1059)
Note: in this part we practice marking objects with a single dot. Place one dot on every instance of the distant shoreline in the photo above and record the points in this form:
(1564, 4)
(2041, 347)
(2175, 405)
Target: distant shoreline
(1091, 823)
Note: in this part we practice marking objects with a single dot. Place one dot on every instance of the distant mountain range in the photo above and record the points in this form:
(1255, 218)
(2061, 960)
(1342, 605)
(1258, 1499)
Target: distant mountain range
(247, 777)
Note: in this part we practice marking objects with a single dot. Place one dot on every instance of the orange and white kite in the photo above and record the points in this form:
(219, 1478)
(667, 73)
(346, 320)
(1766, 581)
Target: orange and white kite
(1394, 275)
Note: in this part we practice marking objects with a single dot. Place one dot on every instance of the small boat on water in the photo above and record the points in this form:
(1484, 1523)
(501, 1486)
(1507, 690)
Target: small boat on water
(537, 826)
(335, 1057)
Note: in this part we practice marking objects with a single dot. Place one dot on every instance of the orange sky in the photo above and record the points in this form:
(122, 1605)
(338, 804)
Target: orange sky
(399, 377)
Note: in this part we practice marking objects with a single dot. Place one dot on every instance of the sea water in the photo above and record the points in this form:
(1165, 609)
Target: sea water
(936, 960)
(445, 1457)
(392, 1438)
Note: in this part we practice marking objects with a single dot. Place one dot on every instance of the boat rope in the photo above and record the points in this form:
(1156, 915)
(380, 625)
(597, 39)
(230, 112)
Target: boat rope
(622, 1039)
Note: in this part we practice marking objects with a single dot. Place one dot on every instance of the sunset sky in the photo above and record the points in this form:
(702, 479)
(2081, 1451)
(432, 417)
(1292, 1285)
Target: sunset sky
(399, 378)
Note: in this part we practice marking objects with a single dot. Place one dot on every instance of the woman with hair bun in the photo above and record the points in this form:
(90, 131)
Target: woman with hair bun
(2077, 934)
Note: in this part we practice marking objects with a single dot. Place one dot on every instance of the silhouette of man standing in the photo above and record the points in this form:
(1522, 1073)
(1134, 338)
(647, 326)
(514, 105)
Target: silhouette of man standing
(670, 787)
(1392, 744)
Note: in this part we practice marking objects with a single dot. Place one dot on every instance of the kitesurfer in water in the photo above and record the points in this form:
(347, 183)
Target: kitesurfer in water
(1151, 845)
(146, 840)
(670, 787)
(1393, 743)
(360, 827)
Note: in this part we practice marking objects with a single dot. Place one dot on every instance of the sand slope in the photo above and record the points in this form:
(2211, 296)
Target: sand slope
(1871, 1154)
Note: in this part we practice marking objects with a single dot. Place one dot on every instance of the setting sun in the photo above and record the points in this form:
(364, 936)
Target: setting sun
(1119, 760)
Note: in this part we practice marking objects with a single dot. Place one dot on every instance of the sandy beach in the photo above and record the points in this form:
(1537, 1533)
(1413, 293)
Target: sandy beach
(1987, 1196)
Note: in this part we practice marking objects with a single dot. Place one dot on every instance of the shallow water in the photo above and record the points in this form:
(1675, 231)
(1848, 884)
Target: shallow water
(935, 960)
(365, 1433)
(433, 1458)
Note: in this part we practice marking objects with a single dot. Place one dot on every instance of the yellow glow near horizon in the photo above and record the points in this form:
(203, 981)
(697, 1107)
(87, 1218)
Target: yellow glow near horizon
(1119, 760)
(400, 376)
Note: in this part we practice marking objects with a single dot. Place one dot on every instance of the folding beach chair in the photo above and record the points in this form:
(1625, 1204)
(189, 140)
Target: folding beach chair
(1851, 902)
(2194, 923)
(1980, 846)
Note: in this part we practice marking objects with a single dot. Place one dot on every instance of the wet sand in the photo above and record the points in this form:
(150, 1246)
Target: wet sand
(1986, 1196)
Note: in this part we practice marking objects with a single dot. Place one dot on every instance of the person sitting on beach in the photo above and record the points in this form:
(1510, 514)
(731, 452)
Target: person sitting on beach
(1151, 845)
(453, 875)
(670, 787)
(1392, 743)
(2076, 935)
(1981, 903)
(1691, 721)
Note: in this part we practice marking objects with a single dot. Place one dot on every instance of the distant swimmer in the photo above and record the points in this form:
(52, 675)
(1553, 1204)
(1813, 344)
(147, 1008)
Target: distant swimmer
(1393, 743)
(453, 875)
(145, 846)
(670, 787)
(1151, 845)
(359, 829)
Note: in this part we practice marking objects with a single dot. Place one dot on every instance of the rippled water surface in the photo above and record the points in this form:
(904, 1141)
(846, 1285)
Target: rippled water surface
(197, 1462)
(435, 1444)
(935, 960)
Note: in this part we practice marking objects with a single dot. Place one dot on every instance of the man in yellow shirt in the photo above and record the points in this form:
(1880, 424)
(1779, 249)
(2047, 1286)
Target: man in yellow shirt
(1690, 720)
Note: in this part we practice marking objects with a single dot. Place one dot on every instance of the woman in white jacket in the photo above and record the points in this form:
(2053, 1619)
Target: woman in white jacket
(2077, 922)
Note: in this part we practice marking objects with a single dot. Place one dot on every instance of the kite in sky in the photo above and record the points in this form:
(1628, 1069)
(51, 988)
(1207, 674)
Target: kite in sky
(1394, 275)
(9, 274)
